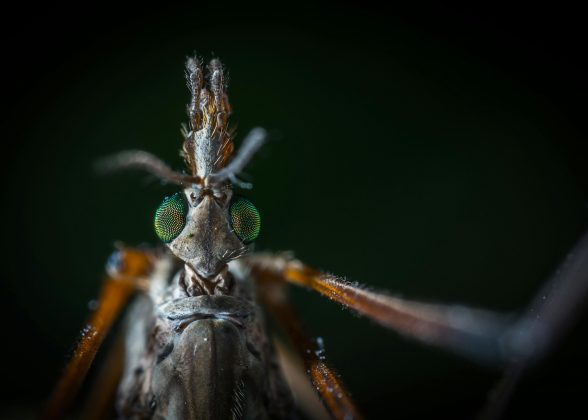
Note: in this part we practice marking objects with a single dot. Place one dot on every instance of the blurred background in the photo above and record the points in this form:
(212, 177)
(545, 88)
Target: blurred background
(438, 154)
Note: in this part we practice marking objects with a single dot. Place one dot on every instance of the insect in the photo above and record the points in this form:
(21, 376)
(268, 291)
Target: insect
(196, 345)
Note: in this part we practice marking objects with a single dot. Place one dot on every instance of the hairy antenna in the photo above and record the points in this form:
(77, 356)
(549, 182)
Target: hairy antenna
(251, 145)
(138, 159)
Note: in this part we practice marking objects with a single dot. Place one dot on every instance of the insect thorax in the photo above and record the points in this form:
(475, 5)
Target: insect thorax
(204, 356)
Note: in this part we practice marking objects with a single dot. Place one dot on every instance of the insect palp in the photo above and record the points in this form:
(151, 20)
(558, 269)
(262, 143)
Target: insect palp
(207, 143)
(217, 83)
(194, 82)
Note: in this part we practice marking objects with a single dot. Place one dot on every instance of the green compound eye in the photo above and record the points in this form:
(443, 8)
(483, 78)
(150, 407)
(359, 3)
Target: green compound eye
(245, 219)
(170, 217)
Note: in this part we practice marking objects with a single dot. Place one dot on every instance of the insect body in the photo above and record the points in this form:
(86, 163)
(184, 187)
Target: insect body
(200, 356)
(196, 344)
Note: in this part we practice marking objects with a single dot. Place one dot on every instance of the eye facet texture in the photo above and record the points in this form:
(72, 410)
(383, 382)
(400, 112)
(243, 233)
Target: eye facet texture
(170, 217)
(245, 219)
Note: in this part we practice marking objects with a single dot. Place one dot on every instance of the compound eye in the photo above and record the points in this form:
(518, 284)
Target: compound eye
(170, 217)
(245, 219)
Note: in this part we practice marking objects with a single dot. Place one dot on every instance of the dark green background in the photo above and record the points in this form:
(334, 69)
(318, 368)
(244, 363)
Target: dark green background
(438, 154)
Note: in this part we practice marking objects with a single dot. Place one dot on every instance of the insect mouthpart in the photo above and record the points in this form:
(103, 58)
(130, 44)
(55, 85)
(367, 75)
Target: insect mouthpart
(207, 283)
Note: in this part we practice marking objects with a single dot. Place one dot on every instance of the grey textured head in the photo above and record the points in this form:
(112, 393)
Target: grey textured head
(201, 225)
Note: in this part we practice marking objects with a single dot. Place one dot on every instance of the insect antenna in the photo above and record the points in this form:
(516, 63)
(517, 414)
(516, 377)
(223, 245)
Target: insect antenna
(207, 143)
(138, 159)
(250, 146)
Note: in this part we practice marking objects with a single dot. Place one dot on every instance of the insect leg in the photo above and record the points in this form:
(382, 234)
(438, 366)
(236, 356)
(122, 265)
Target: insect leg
(304, 391)
(332, 391)
(484, 336)
(102, 392)
(470, 332)
(127, 272)
(550, 315)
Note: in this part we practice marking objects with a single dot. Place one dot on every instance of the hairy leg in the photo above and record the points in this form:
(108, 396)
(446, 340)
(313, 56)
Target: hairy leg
(127, 272)
(484, 336)
(331, 390)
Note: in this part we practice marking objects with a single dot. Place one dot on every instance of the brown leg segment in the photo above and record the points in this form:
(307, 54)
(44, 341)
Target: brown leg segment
(484, 336)
(127, 273)
(102, 394)
(332, 391)
(305, 395)
(547, 319)
(471, 332)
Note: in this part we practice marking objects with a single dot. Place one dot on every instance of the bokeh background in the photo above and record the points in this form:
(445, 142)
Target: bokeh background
(435, 153)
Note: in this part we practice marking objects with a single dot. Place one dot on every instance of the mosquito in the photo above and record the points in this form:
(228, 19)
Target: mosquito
(195, 341)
